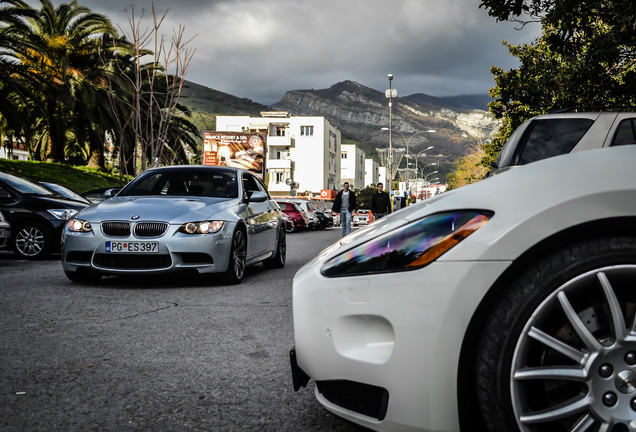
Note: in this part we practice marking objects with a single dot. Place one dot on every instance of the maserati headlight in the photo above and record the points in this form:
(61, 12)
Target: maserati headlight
(204, 227)
(79, 225)
(409, 247)
(63, 214)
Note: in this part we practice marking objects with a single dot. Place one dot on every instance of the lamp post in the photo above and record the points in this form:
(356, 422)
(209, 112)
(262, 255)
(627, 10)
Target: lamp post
(407, 141)
(417, 157)
(426, 178)
(390, 94)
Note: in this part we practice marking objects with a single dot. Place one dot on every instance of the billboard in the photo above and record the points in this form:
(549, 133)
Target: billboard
(235, 149)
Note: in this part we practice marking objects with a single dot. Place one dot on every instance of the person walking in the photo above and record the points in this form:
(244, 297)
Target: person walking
(344, 204)
(380, 203)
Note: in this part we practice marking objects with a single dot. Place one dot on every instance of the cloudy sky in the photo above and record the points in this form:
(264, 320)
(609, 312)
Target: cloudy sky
(259, 49)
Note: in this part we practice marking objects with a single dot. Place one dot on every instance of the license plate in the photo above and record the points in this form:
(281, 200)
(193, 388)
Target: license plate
(134, 247)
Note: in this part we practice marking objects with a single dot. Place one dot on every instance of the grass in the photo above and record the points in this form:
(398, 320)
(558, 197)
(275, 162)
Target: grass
(78, 178)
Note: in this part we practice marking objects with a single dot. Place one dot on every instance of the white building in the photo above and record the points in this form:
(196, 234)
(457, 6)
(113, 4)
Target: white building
(371, 172)
(352, 166)
(17, 152)
(301, 151)
(382, 178)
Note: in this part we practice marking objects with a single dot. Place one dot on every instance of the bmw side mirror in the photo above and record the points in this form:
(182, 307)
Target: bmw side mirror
(257, 196)
(111, 193)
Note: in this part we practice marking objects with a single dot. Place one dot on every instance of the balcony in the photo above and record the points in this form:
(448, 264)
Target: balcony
(279, 141)
(279, 164)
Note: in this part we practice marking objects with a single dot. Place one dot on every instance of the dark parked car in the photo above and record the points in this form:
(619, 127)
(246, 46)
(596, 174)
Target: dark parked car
(37, 215)
(64, 191)
(324, 220)
(5, 232)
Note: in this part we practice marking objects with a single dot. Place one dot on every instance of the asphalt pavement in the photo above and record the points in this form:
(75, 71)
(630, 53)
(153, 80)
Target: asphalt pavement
(153, 353)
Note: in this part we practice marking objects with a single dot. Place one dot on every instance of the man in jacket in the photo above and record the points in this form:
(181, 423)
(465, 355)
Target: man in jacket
(344, 204)
(380, 203)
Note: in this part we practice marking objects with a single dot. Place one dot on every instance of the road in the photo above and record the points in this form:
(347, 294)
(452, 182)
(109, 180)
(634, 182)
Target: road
(153, 353)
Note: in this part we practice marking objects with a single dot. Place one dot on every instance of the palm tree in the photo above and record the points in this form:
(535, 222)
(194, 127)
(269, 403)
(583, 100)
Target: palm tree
(60, 47)
(16, 99)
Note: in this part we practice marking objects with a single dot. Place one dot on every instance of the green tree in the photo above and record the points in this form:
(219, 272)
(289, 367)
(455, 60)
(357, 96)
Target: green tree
(59, 47)
(585, 57)
(468, 169)
(363, 196)
(17, 109)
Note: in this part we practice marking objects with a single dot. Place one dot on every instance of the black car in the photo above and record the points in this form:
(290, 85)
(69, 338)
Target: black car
(324, 220)
(37, 215)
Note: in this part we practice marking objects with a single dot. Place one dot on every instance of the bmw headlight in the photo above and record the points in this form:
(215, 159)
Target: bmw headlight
(205, 227)
(79, 225)
(409, 247)
(63, 214)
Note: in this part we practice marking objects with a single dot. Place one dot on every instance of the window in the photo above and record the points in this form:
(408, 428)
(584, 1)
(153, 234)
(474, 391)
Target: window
(280, 130)
(343, 155)
(307, 131)
(551, 137)
(626, 133)
(250, 183)
(279, 177)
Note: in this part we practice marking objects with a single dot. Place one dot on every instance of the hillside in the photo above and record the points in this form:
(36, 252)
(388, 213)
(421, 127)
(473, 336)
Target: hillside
(206, 103)
(360, 113)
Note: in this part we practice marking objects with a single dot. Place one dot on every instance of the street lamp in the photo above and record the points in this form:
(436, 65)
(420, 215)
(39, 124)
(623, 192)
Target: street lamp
(417, 157)
(390, 94)
(407, 141)
(426, 178)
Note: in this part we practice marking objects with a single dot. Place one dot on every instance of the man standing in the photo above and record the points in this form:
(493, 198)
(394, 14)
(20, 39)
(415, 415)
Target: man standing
(380, 203)
(344, 204)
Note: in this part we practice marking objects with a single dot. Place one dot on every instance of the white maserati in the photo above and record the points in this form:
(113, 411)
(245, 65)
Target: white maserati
(505, 305)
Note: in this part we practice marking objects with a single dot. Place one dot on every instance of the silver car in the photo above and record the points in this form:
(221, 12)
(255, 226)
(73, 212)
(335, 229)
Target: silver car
(179, 218)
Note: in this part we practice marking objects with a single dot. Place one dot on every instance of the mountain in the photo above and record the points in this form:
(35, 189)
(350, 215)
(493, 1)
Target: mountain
(360, 113)
(479, 102)
(205, 103)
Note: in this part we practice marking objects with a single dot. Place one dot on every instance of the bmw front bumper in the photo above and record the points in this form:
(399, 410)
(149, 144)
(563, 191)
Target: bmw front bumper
(176, 251)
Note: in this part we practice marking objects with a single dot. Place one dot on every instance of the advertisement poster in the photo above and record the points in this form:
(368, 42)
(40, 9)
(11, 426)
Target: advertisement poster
(236, 150)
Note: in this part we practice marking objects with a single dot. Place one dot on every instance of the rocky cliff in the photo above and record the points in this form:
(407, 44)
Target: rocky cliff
(360, 113)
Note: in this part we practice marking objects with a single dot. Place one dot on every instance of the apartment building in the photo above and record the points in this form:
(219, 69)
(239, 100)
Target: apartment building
(371, 172)
(303, 152)
(352, 169)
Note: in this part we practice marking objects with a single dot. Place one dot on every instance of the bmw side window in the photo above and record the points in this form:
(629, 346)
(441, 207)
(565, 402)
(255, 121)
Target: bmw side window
(550, 137)
(626, 133)
(250, 183)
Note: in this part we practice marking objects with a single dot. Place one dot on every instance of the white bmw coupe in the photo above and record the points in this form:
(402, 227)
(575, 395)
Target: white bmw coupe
(505, 305)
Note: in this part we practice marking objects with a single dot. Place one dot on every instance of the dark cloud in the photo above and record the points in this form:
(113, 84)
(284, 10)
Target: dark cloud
(259, 50)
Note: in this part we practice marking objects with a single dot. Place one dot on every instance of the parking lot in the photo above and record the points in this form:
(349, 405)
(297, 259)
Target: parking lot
(153, 353)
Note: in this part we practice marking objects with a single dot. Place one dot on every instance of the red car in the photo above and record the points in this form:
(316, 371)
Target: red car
(295, 213)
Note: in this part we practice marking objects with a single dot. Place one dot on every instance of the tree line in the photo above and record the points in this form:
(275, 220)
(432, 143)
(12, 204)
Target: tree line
(71, 85)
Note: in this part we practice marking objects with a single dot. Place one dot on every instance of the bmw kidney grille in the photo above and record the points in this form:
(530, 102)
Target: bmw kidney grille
(140, 229)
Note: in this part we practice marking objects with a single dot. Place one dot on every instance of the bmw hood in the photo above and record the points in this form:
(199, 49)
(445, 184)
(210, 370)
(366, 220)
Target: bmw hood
(168, 209)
